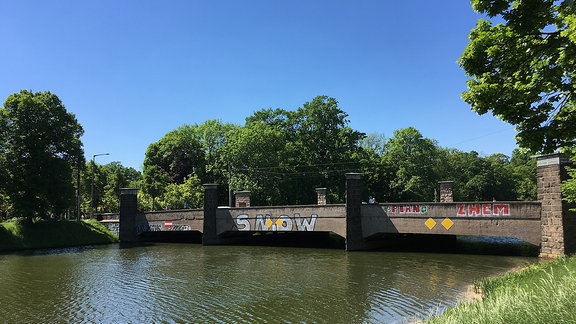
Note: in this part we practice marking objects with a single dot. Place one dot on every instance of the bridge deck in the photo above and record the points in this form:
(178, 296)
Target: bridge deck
(511, 219)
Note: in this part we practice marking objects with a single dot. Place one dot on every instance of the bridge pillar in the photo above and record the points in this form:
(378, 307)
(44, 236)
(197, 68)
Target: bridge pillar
(446, 191)
(209, 236)
(354, 236)
(242, 198)
(558, 222)
(127, 219)
(321, 196)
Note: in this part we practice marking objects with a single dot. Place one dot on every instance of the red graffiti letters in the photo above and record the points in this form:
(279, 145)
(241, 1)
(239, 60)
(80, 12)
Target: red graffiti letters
(494, 209)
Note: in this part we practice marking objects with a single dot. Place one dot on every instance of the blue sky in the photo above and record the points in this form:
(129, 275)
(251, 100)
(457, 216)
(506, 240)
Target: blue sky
(133, 70)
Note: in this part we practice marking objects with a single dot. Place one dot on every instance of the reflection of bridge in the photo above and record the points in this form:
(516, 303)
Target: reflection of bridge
(547, 223)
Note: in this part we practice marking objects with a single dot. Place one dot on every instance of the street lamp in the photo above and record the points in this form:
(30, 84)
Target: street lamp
(92, 192)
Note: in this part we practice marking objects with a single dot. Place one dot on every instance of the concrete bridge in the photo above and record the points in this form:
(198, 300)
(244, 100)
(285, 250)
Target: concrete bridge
(547, 223)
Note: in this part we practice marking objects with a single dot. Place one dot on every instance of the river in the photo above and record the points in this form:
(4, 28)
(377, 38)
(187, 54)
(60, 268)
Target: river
(189, 283)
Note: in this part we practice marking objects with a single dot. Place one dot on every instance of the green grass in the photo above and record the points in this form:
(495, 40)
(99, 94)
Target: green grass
(541, 293)
(20, 235)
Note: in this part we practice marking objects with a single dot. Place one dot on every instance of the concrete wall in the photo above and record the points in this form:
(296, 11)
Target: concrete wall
(509, 219)
(113, 225)
(329, 218)
(171, 220)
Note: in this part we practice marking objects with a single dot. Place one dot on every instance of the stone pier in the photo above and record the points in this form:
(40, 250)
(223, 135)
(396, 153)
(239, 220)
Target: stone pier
(354, 235)
(446, 191)
(128, 211)
(210, 235)
(558, 222)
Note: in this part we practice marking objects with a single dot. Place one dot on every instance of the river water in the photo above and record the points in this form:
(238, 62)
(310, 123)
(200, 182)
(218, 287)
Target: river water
(189, 283)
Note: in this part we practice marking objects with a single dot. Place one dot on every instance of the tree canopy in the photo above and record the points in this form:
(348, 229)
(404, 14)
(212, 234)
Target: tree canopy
(282, 156)
(521, 69)
(40, 145)
(285, 155)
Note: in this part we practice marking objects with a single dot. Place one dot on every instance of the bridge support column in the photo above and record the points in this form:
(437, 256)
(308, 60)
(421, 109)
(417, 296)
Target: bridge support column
(446, 191)
(128, 210)
(354, 236)
(321, 196)
(209, 236)
(558, 222)
(242, 198)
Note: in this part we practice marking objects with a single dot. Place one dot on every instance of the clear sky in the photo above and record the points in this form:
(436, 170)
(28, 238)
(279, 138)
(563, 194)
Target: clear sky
(133, 70)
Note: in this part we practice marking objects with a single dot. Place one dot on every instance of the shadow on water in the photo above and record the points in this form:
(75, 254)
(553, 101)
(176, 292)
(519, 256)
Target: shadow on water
(485, 245)
(322, 240)
(171, 237)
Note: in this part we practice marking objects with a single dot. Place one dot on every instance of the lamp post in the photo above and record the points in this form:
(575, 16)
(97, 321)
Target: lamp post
(92, 192)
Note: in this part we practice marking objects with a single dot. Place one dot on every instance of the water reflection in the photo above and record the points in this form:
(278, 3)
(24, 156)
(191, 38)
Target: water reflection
(192, 283)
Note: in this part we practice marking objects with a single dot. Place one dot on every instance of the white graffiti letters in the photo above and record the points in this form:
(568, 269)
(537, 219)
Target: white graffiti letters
(282, 223)
(242, 222)
(303, 224)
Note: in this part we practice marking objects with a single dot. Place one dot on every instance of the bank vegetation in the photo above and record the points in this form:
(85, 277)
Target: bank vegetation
(18, 235)
(541, 293)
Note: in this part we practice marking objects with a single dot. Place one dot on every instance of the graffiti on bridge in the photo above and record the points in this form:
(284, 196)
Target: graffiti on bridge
(406, 209)
(493, 209)
(161, 227)
(282, 223)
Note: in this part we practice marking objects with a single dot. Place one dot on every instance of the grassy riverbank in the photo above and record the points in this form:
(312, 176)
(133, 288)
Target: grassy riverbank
(19, 235)
(541, 293)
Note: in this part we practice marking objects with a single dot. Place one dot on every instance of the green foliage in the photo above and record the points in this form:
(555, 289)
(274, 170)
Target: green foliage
(181, 161)
(542, 293)
(178, 155)
(569, 186)
(189, 194)
(212, 135)
(282, 156)
(40, 146)
(19, 235)
(414, 161)
(154, 183)
(108, 179)
(5, 207)
(378, 174)
(521, 70)
(524, 175)
(256, 153)
(114, 176)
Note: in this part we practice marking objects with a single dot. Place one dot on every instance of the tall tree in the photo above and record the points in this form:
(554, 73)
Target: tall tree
(154, 183)
(318, 148)
(189, 194)
(40, 143)
(524, 173)
(413, 160)
(256, 153)
(212, 134)
(174, 158)
(522, 69)
(378, 174)
(179, 154)
(116, 176)
(500, 177)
